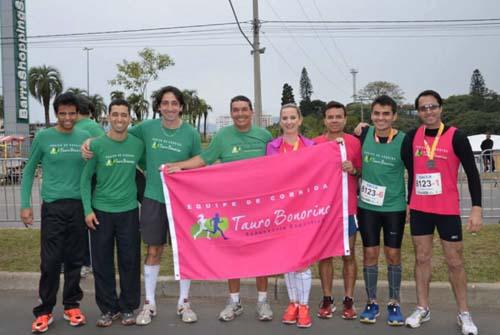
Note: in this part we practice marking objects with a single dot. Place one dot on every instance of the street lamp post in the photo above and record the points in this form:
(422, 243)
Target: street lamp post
(87, 50)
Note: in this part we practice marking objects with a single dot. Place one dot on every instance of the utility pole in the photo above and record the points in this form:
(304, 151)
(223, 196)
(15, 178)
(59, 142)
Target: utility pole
(88, 77)
(256, 51)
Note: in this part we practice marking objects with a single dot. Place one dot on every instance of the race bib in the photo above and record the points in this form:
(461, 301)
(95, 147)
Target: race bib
(372, 194)
(428, 184)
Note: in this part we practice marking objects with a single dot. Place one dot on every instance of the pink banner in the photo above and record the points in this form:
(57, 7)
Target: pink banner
(261, 216)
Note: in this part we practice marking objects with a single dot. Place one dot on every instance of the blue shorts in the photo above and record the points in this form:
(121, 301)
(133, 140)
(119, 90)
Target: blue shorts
(352, 225)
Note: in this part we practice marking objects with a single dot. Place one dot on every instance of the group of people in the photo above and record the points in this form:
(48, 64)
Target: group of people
(376, 159)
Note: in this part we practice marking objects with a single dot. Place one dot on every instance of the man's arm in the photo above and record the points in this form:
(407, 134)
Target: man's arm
(192, 163)
(463, 150)
(85, 190)
(27, 182)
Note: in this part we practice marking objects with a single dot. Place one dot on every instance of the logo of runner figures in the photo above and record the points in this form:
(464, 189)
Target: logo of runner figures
(209, 228)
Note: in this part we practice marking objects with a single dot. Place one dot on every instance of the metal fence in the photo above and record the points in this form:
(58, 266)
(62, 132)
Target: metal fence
(11, 175)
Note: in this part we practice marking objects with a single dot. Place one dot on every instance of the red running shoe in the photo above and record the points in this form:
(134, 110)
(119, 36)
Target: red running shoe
(41, 323)
(75, 317)
(304, 319)
(291, 313)
(349, 312)
(326, 308)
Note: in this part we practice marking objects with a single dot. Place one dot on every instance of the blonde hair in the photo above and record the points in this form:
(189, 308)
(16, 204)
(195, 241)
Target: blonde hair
(291, 105)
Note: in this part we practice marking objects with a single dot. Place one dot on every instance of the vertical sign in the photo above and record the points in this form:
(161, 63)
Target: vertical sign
(21, 60)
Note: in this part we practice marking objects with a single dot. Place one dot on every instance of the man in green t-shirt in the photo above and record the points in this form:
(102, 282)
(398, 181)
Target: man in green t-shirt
(166, 140)
(382, 206)
(85, 109)
(112, 214)
(62, 231)
(232, 143)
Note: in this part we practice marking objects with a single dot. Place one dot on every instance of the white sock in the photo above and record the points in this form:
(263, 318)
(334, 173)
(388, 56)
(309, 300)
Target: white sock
(291, 287)
(261, 296)
(184, 285)
(150, 279)
(235, 297)
(303, 282)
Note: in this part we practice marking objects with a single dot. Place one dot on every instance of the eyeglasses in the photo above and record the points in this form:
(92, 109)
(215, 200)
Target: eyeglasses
(429, 107)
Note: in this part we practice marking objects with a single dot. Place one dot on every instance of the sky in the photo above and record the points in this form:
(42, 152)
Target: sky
(217, 62)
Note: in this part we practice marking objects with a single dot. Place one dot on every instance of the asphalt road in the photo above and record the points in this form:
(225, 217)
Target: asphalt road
(16, 317)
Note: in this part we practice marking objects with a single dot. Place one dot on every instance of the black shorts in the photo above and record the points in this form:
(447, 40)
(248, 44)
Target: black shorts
(371, 222)
(154, 222)
(449, 227)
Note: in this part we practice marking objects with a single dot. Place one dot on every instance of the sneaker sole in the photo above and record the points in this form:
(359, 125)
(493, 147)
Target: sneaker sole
(37, 331)
(395, 323)
(265, 318)
(417, 326)
(289, 322)
(329, 316)
(304, 326)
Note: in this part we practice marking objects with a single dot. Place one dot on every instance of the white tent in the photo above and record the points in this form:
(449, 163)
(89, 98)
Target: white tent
(475, 141)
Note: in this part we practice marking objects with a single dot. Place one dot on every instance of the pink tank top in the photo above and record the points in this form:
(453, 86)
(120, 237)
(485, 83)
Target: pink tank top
(446, 163)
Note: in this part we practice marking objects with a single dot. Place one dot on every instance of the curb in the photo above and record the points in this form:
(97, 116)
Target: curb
(484, 295)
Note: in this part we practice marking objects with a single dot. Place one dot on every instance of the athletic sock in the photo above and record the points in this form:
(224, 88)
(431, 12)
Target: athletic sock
(184, 285)
(304, 281)
(150, 279)
(394, 277)
(261, 296)
(370, 274)
(235, 297)
(291, 286)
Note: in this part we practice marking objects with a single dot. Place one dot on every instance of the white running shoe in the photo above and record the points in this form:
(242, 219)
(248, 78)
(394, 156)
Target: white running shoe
(144, 317)
(232, 310)
(466, 324)
(264, 311)
(419, 316)
(186, 313)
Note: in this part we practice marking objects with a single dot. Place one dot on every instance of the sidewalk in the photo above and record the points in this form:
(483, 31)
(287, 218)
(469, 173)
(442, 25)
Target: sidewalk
(484, 295)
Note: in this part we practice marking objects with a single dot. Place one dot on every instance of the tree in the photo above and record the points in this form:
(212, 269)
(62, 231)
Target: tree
(99, 105)
(287, 95)
(117, 95)
(306, 88)
(138, 105)
(135, 76)
(77, 91)
(477, 85)
(314, 107)
(44, 83)
(205, 115)
(378, 88)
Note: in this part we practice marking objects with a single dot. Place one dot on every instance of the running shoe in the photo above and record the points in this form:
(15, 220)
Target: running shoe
(370, 313)
(291, 313)
(75, 317)
(146, 314)
(326, 308)
(186, 313)
(106, 319)
(304, 319)
(466, 324)
(349, 311)
(394, 316)
(419, 316)
(231, 311)
(264, 311)
(128, 319)
(41, 323)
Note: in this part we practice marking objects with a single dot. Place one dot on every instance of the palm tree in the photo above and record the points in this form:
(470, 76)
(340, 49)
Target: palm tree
(205, 114)
(44, 83)
(77, 91)
(139, 105)
(99, 105)
(117, 95)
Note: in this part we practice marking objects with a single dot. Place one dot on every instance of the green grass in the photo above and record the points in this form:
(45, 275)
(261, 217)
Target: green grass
(20, 251)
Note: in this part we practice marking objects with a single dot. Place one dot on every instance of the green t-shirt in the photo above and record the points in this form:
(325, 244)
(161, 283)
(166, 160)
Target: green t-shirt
(384, 168)
(114, 163)
(62, 165)
(164, 145)
(92, 127)
(230, 144)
